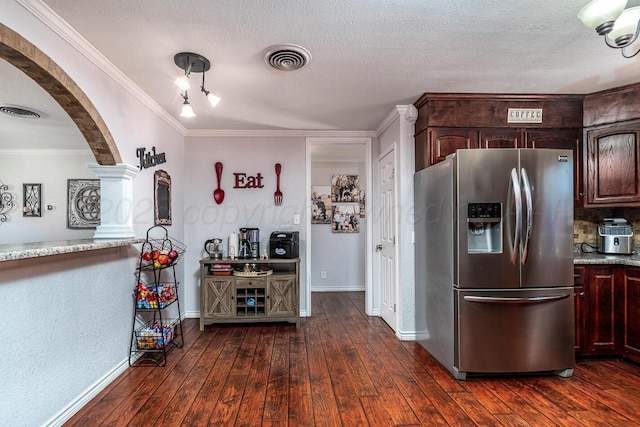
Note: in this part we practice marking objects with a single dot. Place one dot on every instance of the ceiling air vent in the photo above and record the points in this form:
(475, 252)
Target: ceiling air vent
(19, 112)
(287, 57)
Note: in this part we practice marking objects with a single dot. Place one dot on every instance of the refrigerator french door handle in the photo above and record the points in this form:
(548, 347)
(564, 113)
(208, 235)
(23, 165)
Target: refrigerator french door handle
(529, 220)
(515, 300)
(517, 196)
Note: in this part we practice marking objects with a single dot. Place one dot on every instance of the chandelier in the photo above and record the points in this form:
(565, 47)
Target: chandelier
(618, 26)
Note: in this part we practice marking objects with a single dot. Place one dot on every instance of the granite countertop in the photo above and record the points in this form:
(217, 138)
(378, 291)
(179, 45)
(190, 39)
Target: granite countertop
(596, 258)
(17, 251)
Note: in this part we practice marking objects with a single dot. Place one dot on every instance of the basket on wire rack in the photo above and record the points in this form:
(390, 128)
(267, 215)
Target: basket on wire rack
(159, 249)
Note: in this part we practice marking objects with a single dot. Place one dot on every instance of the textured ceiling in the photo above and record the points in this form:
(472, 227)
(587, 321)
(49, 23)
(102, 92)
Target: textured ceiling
(367, 55)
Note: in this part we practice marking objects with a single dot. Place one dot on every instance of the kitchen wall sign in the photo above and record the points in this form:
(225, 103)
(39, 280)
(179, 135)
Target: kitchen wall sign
(243, 180)
(148, 159)
(524, 115)
(162, 197)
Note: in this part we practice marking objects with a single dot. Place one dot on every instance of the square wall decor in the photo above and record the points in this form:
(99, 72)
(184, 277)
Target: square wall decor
(83, 206)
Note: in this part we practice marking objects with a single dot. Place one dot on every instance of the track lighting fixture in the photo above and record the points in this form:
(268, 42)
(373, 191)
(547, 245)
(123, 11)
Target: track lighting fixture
(187, 111)
(192, 63)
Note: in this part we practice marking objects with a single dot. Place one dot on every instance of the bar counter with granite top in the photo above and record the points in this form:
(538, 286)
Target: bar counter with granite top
(17, 251)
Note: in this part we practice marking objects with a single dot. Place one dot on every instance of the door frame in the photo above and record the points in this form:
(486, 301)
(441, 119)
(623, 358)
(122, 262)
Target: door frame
(370, 307)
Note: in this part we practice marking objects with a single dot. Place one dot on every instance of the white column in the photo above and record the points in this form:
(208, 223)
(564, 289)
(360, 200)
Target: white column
(116, 200)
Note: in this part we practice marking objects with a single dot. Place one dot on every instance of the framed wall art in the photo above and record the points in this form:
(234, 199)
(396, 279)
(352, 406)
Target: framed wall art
(32, 197)
(83, 203)
(162, 197)
(320, 204)
(345, 188)
(345, 218)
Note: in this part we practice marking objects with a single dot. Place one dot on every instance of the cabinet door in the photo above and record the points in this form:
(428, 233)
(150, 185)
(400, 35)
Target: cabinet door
(500, 138)
(566, 139)
(581, 313)
(602, 319)
(613, 173)
(422, 152)
(445, 141)
(631, 298)
(218, 297)
(282, 297)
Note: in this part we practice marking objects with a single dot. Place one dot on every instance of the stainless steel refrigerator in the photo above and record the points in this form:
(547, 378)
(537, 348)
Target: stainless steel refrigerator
(494, 261)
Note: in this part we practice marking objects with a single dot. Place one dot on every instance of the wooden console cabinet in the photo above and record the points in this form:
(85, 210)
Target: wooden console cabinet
(260, 298)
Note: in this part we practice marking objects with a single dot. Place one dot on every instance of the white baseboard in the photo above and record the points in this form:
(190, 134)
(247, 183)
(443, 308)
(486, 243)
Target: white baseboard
(337, 289)
(74, 406)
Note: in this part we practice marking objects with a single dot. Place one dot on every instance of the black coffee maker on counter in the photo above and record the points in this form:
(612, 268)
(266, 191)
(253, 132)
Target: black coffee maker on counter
(249, 243)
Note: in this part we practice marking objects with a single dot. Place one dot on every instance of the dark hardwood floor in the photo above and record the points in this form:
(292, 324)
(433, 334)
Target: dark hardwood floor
(343, 368)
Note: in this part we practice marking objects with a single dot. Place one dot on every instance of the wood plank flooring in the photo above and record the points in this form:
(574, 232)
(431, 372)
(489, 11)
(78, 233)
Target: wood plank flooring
(343, 368)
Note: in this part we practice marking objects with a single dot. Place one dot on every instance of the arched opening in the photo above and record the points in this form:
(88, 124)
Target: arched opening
(22, 54)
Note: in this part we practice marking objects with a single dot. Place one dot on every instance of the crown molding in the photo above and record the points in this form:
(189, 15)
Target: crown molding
(407, 112)
(55, 23)
(230, 133)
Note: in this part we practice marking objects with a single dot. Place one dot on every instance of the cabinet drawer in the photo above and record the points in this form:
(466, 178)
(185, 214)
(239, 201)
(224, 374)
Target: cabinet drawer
(253, 282)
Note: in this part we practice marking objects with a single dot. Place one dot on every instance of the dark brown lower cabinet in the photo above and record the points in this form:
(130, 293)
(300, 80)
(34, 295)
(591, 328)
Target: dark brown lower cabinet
(607, 310)
(631, 300)
(580, 301)
(602, 325)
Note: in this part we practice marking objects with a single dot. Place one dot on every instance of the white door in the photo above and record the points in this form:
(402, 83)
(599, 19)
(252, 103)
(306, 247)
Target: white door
(386, 247)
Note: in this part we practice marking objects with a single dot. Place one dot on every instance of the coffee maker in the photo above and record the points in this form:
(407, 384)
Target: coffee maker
(245, 247)
(249, 243)
(254, 242)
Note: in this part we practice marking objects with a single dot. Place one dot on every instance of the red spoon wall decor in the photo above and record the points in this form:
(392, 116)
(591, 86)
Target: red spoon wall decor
(218, 193)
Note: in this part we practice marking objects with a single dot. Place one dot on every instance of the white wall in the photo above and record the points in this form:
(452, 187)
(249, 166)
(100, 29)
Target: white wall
(67, 318)
(29, 166)
(340, 255)
(397, 131)
(204, 219)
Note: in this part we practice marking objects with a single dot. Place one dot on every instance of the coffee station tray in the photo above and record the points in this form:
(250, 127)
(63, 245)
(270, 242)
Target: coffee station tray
(260, 271)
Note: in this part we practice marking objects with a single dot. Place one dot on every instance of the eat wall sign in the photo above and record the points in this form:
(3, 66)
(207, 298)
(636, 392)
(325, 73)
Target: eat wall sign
(244, 180)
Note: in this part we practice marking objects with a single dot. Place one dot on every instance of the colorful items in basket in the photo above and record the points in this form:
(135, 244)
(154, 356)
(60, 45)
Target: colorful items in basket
(154, 336)
(160, 259)
(154, 296)
(221, 269)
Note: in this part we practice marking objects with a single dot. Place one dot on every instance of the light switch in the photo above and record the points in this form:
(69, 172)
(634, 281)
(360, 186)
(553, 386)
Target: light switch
(296, 219)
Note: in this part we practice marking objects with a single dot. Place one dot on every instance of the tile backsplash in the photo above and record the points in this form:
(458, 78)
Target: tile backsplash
(585, 223)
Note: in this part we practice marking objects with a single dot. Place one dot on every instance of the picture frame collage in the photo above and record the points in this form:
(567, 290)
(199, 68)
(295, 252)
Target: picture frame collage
(342, 204)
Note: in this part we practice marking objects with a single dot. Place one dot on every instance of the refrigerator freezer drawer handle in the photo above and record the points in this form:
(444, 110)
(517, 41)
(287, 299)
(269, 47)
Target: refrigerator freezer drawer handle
(511, 300)
(517, 196)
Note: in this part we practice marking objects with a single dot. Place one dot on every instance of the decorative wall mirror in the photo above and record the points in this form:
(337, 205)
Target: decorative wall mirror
(162, 195)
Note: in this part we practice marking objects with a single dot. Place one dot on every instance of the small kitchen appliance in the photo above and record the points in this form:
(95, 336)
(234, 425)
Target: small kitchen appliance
(245, 246)
(214, 248)
(615, 236)
(284, 244)
(254, 242)
(249, 243)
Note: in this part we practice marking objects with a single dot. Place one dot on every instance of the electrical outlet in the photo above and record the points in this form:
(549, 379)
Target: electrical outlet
(323, 274)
